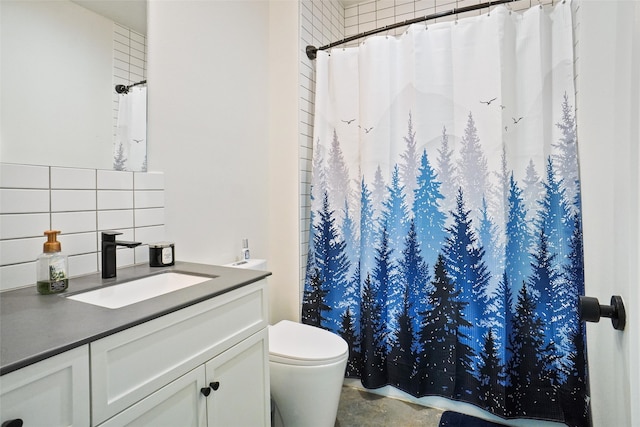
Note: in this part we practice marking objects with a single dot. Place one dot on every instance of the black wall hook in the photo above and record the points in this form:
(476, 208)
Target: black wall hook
(591, 311)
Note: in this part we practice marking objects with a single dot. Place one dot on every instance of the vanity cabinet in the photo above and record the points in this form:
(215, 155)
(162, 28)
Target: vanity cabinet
(229, 390)
(53, 392)
(203, 365)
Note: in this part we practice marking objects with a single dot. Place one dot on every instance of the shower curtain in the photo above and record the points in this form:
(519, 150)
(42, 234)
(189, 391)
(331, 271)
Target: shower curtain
(446, 237)
(130, 145)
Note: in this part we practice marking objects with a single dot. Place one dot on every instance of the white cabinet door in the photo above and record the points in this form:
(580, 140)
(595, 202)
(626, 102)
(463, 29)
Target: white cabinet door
(239, 378)
(54, 392)
(231, 389)
(132, 364)
(180, 403)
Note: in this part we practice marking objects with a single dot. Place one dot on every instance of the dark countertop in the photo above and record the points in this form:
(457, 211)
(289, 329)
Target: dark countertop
(34, 327)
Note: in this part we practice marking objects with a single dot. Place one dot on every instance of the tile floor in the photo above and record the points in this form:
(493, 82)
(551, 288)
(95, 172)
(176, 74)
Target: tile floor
(359, 408)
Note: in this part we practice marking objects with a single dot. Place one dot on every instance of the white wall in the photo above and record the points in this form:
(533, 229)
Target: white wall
(608, 92)
(284, 181)
(208, 124)
(222, 122)
(56, 84)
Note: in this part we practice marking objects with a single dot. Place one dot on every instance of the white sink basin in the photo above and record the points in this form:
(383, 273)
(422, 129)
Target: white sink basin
(126, 293)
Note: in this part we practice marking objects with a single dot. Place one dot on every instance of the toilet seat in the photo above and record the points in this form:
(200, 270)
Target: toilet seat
(294, 343)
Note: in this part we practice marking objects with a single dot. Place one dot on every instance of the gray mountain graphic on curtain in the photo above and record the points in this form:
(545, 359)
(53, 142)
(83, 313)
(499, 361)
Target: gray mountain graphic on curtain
(434, 295)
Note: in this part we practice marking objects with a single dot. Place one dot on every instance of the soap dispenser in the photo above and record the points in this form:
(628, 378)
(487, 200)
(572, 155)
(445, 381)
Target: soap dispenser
(52, 267)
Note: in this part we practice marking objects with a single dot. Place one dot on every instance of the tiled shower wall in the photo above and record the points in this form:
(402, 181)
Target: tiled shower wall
(323, 22)
(80, 203)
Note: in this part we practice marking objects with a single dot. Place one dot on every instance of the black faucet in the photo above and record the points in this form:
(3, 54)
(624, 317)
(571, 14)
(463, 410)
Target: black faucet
(109, 244)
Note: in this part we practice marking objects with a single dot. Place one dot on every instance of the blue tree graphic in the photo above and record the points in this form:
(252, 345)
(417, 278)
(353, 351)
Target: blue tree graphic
(331, 262)
(518, 240)
(465, 265)
(423, 287)
(414, 273)
(395, 215)
(367, 231)
(429, 219)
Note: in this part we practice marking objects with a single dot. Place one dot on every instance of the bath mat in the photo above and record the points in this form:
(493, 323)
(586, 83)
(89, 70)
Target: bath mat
(456, 419)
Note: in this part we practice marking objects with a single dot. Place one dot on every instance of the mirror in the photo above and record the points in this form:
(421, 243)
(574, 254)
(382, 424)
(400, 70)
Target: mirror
(59, 68)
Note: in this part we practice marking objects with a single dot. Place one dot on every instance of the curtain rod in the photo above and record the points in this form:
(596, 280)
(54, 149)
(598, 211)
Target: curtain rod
(125, 89)
(312, 50)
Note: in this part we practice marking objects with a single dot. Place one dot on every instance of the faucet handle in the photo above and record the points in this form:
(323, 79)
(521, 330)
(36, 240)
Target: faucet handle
(110, 236)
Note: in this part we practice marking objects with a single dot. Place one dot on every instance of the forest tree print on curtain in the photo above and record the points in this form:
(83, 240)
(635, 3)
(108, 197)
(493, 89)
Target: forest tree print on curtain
(446, 235)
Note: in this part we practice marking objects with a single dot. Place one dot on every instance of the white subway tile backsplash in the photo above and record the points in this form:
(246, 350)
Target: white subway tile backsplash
(72, 178)
(148, 235)
(73, 200)
(18, 276)
(23, 201)
(125, 257)
(142, 254)
(74, 222)
(80, 265)
(147, 217)
(127, 234)
(23, 176)
(115, 180)
(20, 250)
(111, 220)
(149, 181)
(149, 199)
(14, 226)
(115, 199)
(78, 202)
(82, 243)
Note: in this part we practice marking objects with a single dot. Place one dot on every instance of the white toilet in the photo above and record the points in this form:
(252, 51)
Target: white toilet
(307, 366)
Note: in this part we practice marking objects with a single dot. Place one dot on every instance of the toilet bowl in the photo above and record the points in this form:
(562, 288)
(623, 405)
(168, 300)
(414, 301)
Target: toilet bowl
(306, 369)
(307, 366)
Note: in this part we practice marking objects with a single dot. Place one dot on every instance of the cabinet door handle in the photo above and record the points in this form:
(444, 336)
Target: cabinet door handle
(206, 391)
(214, 385)
(13, 423)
